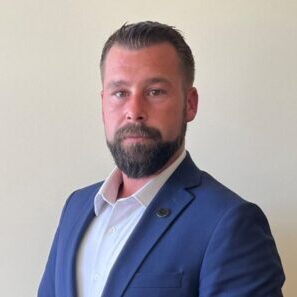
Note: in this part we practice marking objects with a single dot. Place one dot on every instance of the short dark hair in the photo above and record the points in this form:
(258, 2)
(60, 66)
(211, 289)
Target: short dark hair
(144, 34)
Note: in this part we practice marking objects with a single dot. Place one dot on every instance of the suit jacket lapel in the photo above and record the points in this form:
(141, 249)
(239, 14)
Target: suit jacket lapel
(81, 217)
(151, 228)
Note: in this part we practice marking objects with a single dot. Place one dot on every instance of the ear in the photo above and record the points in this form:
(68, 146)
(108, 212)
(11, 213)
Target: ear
(192, 104)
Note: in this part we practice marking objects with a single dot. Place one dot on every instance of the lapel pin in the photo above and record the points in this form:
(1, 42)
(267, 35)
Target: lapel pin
(163, 212)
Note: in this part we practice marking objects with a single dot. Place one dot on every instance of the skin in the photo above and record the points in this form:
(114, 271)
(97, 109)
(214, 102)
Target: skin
(145, 86)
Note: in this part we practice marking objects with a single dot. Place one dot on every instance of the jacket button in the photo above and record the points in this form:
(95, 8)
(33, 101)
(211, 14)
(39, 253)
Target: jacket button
(163, 212)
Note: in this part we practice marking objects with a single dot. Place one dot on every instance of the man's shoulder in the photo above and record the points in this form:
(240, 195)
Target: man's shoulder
(213, 199)
(216, 204)
(84, 195)
(88, 190)
(207, 190)
(211, 185)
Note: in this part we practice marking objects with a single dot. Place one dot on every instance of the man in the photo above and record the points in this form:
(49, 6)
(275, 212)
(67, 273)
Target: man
(157, 226)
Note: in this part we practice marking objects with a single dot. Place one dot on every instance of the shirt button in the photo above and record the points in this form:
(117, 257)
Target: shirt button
(112, 230)
(95, 277)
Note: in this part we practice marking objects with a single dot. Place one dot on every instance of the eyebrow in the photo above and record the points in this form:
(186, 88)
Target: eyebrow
(122, 83)
(155, 80)
(117, 83)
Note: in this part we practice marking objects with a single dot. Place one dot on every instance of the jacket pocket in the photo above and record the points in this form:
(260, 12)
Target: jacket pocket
(157, 280)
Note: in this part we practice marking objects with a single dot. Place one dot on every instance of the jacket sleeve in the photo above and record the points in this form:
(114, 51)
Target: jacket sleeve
(241, 258)
(47, 284)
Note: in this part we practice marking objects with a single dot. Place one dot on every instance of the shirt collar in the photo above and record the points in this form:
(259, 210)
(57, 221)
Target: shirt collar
(109, 190)
(152, 187)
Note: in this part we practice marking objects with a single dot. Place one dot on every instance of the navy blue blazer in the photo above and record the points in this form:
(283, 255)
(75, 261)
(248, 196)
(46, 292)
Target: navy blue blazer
(211, 244)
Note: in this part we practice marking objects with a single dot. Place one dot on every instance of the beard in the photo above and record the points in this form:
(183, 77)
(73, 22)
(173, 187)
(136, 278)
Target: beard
(140, 160)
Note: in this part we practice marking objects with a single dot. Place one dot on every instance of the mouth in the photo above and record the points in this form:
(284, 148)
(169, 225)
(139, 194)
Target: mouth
(136, 139)
(137, 134)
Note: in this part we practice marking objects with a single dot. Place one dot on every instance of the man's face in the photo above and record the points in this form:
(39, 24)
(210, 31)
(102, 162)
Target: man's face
(146, 106)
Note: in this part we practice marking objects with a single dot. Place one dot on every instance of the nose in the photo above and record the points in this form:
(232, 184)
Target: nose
(136, 109)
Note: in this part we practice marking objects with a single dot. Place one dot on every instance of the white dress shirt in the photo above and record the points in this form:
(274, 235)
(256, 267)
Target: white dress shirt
(110, 229)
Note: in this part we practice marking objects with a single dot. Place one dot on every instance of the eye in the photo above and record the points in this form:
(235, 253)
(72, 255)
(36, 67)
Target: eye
(120, 94)
(156, 92)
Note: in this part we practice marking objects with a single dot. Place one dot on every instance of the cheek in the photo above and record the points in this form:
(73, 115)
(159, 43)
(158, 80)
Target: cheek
(172, 124)
(109, 124)
(112, 113)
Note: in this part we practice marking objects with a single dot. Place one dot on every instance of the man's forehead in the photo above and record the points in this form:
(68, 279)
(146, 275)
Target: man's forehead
(160, 50)
(114, 83)
(161, 56)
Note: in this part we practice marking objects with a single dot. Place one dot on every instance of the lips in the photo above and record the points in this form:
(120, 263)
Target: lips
(135, 138)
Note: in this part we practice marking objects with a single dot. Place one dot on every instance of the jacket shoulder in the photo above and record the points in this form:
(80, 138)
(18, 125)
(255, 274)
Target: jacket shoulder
(82, 197)
(215, 192)
(212, 200)
(87, 190)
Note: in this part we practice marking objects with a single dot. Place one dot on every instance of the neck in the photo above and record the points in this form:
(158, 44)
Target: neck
(132, 185)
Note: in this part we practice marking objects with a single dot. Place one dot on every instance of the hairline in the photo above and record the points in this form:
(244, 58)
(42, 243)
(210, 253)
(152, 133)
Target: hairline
(132, 47)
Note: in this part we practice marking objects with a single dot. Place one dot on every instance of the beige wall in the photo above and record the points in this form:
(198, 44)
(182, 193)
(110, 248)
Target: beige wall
(50, 124)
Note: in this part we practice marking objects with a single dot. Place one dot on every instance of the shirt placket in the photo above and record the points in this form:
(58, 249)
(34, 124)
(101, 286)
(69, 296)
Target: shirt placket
(106, 251)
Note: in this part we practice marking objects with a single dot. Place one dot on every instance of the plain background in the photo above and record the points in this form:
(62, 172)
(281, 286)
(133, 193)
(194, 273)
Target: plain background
(52, 138)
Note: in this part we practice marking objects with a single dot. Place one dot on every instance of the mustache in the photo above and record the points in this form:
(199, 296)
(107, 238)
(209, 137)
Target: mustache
(137, 130)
